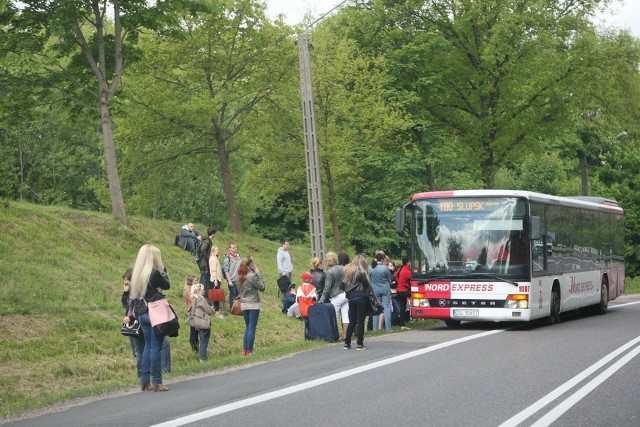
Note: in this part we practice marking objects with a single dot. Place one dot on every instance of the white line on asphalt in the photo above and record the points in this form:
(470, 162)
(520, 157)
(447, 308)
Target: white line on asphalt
(317, 382)
(556, 412)
(546, 400)
(613, 307)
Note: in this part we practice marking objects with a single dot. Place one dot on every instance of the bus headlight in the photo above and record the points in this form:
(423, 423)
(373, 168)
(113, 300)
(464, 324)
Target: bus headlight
(419, 300)
(516, 301)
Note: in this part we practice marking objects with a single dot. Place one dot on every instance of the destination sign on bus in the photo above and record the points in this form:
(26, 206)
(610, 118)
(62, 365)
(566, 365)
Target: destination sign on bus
(467, 205)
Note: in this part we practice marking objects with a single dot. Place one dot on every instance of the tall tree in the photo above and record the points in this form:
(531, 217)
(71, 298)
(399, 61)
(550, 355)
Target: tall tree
(84, 28)
(206, 82)
(495, 75)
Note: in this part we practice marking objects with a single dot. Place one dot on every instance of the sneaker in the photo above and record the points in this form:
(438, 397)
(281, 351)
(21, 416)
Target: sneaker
(219, 315)
(346, 347)
(404, 328)
(361, 347)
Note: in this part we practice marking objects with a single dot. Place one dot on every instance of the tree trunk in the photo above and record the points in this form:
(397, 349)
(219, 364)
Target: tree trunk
(225, 171)
(335, 227)
(117, 202)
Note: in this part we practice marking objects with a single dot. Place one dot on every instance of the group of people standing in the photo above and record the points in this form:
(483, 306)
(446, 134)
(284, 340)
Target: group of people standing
(347, 284)
(147, 282)
(344, 283)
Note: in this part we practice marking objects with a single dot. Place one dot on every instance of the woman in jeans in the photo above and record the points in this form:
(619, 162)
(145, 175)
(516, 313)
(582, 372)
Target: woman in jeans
(148, 281)
(200, 307)
(356, 284)
(250, 283)
(381, 279)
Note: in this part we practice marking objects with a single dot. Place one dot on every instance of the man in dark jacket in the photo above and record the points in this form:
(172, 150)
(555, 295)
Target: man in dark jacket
(188, 238)
(203, 262)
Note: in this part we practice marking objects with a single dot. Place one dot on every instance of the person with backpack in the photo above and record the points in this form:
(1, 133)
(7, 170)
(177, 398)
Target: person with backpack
(203, 253)
(188, 238)
(230, 267)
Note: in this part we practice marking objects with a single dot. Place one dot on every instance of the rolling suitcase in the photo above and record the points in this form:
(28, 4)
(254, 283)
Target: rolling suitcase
(321, 323)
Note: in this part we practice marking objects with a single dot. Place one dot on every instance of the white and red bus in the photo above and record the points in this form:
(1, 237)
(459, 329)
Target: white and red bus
(498, 255)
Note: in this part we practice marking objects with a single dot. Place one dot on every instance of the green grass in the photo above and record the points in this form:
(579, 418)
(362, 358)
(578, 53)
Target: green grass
(60, 313)
(632, 285)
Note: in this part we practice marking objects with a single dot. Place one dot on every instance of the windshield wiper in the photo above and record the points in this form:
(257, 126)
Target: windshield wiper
(493, 276)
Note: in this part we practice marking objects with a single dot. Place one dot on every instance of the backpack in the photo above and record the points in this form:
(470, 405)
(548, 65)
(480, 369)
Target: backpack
(283, 284)
(175, 242)
(199, 254)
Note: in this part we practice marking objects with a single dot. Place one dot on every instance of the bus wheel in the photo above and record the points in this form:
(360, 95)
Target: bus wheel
(452, 323)
(603, 305)
(554, 313)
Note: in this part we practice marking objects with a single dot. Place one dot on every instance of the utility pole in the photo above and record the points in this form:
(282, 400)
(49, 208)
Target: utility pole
(314, 185)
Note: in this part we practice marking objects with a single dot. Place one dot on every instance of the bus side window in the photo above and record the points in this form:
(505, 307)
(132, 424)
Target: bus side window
(538, 254)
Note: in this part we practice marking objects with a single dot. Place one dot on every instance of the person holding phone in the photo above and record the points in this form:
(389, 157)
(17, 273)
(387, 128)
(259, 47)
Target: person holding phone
(250, 284)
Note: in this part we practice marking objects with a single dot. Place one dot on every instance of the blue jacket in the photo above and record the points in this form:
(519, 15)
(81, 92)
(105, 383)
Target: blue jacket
(381, 279)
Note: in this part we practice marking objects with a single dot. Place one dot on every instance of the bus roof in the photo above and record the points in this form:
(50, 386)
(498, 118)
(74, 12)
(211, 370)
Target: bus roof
(594, 203)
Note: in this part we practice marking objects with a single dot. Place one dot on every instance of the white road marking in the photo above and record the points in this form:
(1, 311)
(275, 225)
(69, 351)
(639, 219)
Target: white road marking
(317, 382)
(546, 400)
(556, 412)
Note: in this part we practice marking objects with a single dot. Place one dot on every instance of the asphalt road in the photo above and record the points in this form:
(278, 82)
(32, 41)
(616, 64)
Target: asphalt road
(581, 372)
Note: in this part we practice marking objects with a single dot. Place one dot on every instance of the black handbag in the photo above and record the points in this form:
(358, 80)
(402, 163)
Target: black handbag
(131, 329)
(375, 308)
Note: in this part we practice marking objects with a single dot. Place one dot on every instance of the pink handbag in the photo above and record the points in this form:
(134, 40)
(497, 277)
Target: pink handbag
(163, 318)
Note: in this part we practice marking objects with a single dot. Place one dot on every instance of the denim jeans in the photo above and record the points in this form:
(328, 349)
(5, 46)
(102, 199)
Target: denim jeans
(358, 308)
(165, 356)
(251, 322)
(204, 335)
(233, 292)
(151, 356)
(137, 348)
(385, 300)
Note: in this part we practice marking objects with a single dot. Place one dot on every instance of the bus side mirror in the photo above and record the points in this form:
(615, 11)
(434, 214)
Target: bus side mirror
(400, 219)
(534, 228)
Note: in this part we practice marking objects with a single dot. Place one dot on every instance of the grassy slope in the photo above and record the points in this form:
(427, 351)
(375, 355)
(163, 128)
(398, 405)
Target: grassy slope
(60, 313)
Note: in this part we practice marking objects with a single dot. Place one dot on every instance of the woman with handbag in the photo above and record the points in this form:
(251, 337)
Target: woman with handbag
(215, 275)
(148, 281)
(200, 318)
(136, 341)
(356, 286)
(186, 294)
(250, 283)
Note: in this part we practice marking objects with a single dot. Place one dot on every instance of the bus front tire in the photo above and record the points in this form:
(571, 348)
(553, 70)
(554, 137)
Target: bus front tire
(554, 310)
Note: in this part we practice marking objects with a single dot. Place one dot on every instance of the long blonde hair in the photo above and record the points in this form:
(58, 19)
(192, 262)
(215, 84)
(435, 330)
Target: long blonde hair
(149, 258)
(356, 268)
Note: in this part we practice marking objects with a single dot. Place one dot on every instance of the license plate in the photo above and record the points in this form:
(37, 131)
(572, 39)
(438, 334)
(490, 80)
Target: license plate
(465, 313)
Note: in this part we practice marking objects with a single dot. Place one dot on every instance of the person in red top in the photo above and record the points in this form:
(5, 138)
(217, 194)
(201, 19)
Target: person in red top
(403, 277)
(306, 295)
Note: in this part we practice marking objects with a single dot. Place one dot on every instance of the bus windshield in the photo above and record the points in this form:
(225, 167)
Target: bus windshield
(470, 236)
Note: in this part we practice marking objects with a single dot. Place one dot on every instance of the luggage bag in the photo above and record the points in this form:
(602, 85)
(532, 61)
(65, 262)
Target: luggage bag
(321, 323)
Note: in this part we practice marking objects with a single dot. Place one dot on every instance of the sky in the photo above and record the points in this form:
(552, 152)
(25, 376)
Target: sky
(626, 15)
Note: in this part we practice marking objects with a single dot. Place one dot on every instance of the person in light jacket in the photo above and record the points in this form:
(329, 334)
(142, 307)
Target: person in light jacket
(250, 284)
(199, 307)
